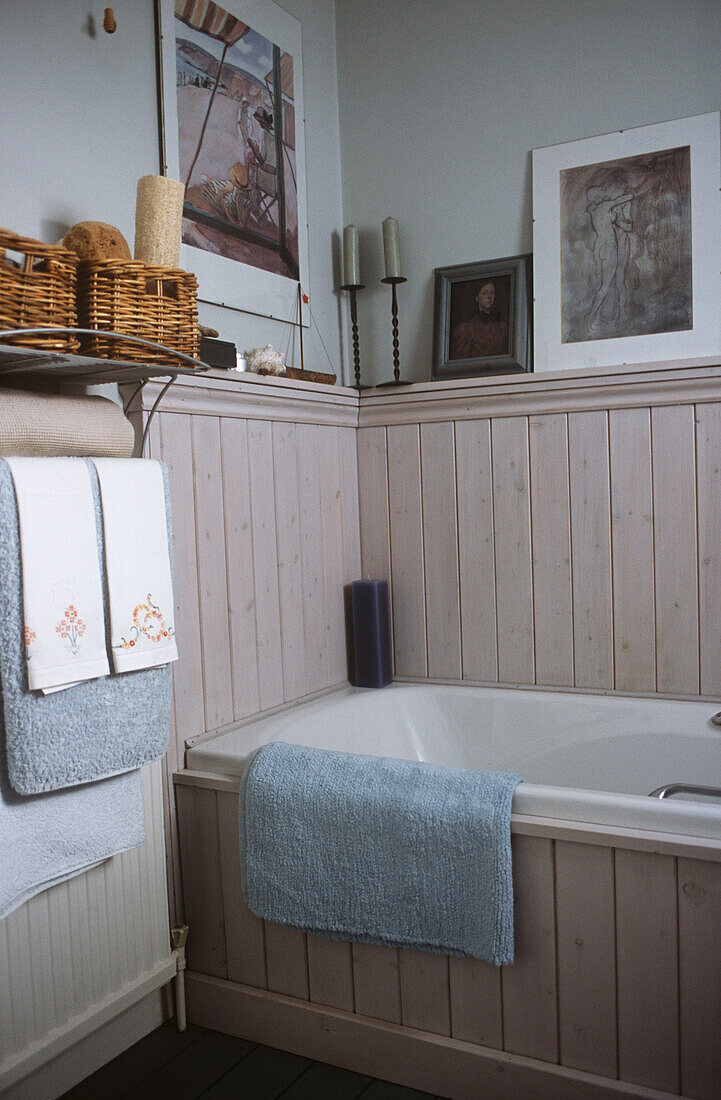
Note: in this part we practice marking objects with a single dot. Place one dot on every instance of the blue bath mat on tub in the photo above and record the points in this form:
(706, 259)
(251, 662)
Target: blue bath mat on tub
(378, 850)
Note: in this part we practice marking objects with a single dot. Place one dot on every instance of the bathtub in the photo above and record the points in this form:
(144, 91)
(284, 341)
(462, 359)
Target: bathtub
(616, 987)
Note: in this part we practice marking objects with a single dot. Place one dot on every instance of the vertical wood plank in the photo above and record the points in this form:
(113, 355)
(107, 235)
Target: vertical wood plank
(708, 436)
(210, 528)
(373, 503)
(406, 537)
(311, 532)
(349, 492)
(632, 542)
(286, 960)
(585, 921)
(529, 985)
(290, 569)
(591, 549)
(202, 885)
(476, 1013)
(551, 547)
(265, 556)
(647, 955)
(376, 979)
(512, 535)
(330, 972)
(244, 939)
(333, 571)
(440, 548)
(476, 557)
(425, 993)
(675, 551)
(699, 901)
(177, 453)
(239, 546)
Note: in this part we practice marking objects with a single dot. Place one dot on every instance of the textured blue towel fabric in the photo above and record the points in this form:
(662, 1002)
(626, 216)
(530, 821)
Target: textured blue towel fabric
(379, 850)
(100, 727)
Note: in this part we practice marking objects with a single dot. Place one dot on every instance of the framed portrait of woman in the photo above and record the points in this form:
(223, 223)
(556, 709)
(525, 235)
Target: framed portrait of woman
(482, 318)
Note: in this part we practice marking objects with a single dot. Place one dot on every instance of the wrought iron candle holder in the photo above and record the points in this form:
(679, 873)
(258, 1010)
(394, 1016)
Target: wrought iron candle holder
(394, 281)
(353, 289)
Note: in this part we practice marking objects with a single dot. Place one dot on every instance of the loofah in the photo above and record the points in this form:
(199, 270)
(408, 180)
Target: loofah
(97, 241)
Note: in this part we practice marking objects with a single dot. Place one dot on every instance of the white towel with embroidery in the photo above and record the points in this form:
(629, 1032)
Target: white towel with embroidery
(62, 590)
(137, 563)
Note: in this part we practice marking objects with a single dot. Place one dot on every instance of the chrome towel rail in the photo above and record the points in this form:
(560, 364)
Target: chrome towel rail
(670, 789)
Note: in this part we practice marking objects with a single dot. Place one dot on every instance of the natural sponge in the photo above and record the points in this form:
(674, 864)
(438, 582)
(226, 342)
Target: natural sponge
(97, 241)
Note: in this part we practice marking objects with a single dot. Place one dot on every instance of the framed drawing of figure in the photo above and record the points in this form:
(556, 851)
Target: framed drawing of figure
(482, 318)
(626, 246)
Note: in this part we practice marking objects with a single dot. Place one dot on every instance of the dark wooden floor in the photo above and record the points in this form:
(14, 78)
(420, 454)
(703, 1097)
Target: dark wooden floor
(205, 1063)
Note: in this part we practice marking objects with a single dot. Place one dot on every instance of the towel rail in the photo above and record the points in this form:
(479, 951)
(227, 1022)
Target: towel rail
(670, 789)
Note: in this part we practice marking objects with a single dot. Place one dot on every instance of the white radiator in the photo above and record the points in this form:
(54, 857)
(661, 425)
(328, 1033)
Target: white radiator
(78, 954)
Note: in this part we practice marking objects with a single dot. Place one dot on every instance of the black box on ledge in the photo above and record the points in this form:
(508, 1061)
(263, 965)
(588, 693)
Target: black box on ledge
(218, 353)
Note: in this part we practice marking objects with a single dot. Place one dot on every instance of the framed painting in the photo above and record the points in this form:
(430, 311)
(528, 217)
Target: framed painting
(626, 246)
(482, 318)
(234, 135)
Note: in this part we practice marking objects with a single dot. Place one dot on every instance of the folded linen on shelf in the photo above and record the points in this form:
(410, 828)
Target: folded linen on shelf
(100, 727)
(384, 851)
(47, 424)
(137, 563)
(61, 587)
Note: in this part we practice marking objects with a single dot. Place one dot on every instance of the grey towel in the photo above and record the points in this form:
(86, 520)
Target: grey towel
(47, 838)
(377, 850)
(98, 728)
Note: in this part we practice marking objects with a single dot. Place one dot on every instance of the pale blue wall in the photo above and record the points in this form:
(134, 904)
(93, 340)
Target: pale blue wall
(442, 101)
(78, 127)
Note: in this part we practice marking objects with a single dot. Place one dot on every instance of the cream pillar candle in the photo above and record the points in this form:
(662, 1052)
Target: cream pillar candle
(392, 248)
(351, 260)
(158, 218)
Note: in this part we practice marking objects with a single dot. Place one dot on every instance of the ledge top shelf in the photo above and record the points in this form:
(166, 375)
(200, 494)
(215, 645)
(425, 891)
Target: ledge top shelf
(21, 365)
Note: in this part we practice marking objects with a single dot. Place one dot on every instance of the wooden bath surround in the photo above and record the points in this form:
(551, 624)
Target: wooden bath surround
(591, 505)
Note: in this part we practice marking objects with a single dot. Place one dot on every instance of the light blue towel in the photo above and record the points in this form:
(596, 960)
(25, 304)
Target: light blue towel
(378, 850)
(100, 727)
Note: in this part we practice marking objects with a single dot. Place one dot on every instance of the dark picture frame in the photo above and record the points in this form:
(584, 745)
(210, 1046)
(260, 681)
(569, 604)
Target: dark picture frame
(482, 318)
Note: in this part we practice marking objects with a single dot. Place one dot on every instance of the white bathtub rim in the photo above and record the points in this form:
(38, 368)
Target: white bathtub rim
(224, 754)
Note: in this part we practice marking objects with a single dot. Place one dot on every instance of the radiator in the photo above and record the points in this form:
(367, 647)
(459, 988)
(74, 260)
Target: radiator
(80, 953)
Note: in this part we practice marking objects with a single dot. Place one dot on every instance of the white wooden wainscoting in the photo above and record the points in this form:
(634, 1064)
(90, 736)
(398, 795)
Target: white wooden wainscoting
(81, 953)
(615, 989)
(550, 531)
(264, 494)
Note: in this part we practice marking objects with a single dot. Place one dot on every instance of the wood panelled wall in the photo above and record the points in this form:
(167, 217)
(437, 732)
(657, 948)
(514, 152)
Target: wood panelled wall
(264, 495)
(616, 968)
(540, 533)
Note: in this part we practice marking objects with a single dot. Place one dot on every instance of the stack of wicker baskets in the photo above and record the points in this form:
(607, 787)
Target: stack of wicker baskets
(135, 299)
(37, 290)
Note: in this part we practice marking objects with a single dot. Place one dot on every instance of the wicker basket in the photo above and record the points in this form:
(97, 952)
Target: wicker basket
(37, 289)
(135, 299)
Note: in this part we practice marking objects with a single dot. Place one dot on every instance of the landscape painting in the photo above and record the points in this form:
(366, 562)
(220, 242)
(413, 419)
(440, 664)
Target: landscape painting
(236, 139)
(625, 236)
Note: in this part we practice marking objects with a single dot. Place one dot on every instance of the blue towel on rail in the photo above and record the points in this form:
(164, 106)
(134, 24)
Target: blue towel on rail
(96, 729)
(378, 850)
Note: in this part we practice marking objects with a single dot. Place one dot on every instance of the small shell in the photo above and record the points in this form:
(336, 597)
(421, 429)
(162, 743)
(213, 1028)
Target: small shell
(266, 360)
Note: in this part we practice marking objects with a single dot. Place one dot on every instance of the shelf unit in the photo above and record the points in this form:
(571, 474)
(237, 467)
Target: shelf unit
(20, 367)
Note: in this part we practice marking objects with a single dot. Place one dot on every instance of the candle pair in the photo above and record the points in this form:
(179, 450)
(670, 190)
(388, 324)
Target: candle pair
(391, 252)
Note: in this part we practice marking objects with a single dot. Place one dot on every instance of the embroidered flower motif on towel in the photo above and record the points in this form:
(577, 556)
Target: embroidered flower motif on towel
(29, 637)
(71, 629)
(148, 622)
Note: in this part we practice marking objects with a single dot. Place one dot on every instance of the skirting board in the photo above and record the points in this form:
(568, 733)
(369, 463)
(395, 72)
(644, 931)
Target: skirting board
(416, 1059)
(88, 1042)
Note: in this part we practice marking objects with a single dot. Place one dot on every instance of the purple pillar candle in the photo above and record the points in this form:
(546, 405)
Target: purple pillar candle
(372, 634)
